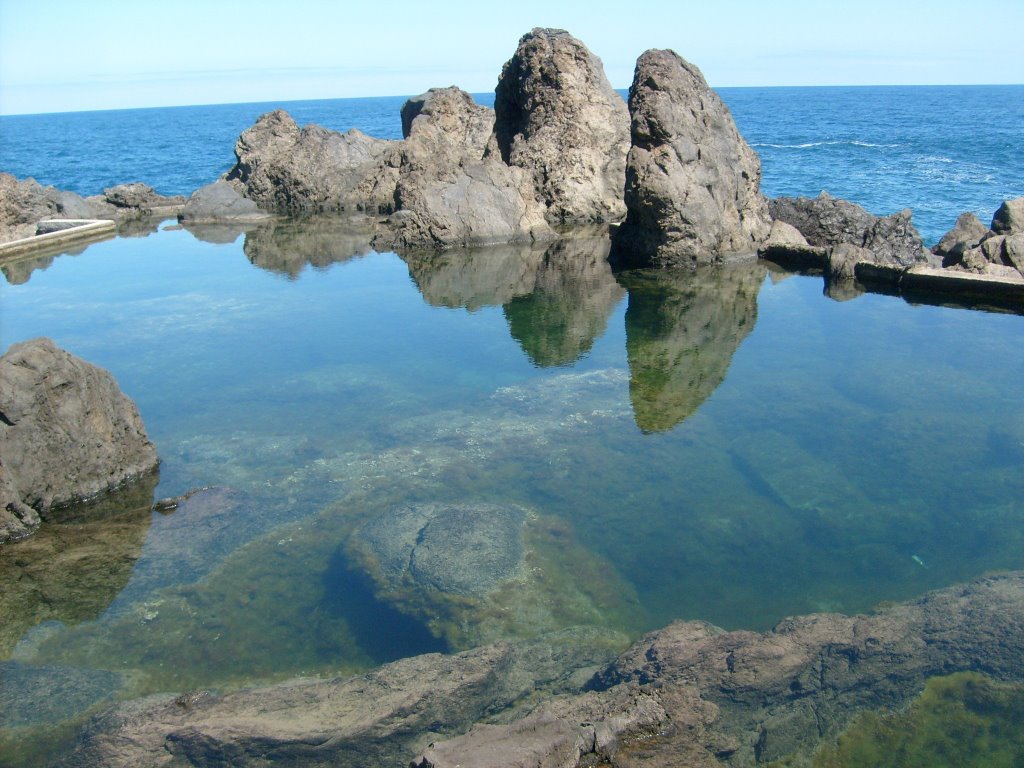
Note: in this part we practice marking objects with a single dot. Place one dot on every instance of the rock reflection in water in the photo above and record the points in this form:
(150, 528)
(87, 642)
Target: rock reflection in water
(287, 247)
(556, 297)
(682, 328)
(75, 565)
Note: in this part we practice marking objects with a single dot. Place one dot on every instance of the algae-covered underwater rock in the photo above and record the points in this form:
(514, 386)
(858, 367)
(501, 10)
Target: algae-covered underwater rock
(965, 719)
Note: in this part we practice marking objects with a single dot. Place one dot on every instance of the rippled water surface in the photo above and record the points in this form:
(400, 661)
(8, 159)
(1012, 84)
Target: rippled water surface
(729, 445)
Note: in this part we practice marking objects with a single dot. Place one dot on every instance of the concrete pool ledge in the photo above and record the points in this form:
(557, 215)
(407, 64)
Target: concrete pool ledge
(58, 233)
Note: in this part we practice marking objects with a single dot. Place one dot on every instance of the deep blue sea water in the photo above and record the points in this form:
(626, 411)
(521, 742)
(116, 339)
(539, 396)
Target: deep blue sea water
(939, 150)
(728, 445)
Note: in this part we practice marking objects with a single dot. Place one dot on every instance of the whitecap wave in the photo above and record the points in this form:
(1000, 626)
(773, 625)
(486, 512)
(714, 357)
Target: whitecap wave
(810, 144)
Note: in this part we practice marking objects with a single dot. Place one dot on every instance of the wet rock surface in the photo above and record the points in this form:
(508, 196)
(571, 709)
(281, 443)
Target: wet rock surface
(696, 694)
(67, 433)
(692, 183)
(381, 718)
(688, 692)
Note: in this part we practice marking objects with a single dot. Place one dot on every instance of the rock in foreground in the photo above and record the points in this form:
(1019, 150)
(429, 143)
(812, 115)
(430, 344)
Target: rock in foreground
(689, 694)
(692, 182)
(67, 433)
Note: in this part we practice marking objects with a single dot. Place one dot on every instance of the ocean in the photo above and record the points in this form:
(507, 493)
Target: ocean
(938, 150)
(729, 445)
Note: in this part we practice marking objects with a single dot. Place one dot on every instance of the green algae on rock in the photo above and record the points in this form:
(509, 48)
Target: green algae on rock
(966, 720)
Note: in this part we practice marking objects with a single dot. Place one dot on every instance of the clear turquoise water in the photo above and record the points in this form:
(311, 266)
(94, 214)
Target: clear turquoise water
(731, 445)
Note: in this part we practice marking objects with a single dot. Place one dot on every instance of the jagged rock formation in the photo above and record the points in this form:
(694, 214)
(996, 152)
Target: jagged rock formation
(288, 169)
(67, 433)
(557, 116)
(551, 152)
(23, 203)
(688, 694)
(692, 183)
(827, 221)
(994, 251)
(682, 329)
(691, 694)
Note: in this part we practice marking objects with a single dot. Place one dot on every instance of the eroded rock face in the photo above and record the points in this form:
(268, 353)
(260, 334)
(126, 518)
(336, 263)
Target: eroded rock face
(557, 116)
(827, 221)
(67, 433)
(692, 182)
(289, 169)
(1009, 218)
(692, 694)
(381, 718)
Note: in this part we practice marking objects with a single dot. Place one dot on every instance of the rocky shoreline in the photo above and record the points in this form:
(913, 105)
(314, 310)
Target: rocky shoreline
(678, 186)
(689, 694)
(668, 172)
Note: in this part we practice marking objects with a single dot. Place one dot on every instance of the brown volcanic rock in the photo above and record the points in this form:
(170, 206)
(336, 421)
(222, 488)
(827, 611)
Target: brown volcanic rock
(447, 192)
(67, 433)
(290, 170)
(1009, 218)
(692, 182)
(557, 116)
(688, 694)
(692, 694)
(827, 221)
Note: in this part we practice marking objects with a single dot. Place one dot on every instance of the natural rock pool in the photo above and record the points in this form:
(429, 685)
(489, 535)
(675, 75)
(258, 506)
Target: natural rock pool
(429, 453)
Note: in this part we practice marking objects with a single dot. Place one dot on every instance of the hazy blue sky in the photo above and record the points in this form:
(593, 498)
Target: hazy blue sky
(62, 55)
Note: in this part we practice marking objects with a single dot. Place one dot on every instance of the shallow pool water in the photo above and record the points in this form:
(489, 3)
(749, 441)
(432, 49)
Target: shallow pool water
(729, 445)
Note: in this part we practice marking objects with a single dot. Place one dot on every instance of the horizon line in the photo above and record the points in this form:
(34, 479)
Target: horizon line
(481, 93)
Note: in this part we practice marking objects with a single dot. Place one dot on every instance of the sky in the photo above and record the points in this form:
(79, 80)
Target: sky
(70, 55)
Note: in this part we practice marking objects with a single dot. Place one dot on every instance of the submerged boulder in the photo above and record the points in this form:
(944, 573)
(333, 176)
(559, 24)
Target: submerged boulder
(67, 433)
(459, 549)
(557, 116)
(692, 182)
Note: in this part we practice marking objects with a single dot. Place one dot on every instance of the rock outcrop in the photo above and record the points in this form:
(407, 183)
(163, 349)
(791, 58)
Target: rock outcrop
(691, 694)
(827, 221)
(287, 169)
(447, 192)
(995, 252)
(381, 718)
(552, 151)
(692, 183)
(557, 116)
(24, 203)
(688, 694)
(67, 433)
